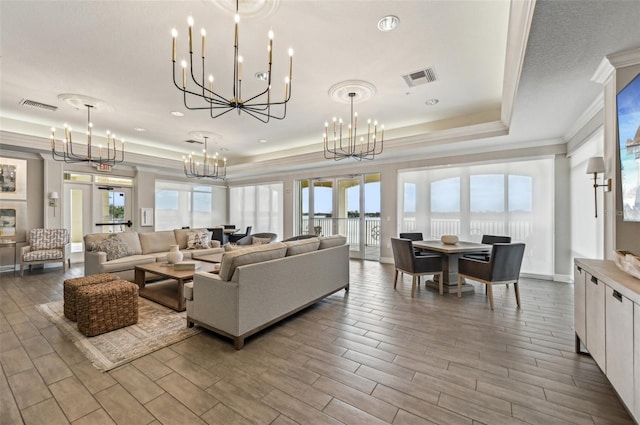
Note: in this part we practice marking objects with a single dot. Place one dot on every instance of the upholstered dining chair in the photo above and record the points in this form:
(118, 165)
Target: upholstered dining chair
(237, 236)
(488, 240)
(46, 246)
(503, 267)
(406, 261)
(414, 236)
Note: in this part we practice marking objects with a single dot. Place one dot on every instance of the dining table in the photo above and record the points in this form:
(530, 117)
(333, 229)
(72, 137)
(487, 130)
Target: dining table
(450, 254)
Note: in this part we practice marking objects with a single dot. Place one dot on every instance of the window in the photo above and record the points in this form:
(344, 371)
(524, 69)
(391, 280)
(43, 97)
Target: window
(260, 206)
(187, 204)
(513, 199)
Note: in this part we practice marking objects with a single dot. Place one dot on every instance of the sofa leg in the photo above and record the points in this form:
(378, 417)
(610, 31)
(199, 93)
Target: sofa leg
(346, 288)
(190, 324)
(238, 343)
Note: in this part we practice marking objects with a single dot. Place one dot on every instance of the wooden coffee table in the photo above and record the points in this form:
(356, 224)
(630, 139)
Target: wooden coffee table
(210, 258)
(167, 292)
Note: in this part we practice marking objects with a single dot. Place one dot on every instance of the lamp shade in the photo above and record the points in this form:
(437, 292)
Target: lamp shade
(54, 195)
(595, 165)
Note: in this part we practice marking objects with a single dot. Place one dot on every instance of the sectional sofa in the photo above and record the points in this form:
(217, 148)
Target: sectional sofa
(259, 285)
(119, 253)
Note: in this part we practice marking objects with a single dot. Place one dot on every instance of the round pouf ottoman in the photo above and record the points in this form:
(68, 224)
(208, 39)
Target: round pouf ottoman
(71, 289)
(105, 307)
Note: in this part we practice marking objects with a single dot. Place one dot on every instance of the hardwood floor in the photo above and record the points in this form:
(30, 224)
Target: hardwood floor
(372, 356)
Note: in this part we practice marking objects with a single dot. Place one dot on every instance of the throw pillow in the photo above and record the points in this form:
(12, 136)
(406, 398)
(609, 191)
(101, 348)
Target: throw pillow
(259, 241)
(113, 246)
(197, 240)
(228, 247)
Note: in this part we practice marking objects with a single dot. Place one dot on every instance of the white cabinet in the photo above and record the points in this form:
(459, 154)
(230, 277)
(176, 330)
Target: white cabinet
(611, 318)
(619, 343)
(579, 305)
(595, 323)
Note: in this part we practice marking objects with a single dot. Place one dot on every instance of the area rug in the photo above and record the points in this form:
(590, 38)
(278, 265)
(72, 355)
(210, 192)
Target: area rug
(157, 328)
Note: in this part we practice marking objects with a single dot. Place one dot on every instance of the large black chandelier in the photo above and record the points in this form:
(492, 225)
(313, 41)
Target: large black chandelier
(211, 167)
(71, 152)
(258, 105)
(339, 144)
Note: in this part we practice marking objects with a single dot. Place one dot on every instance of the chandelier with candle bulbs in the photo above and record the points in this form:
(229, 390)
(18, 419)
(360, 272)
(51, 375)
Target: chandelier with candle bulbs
(72, 152)
(199, 93)
(340, 143)
(211, 166)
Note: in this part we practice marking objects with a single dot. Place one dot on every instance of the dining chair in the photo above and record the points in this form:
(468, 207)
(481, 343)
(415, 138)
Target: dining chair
(237, 236)
(406, 261)
(414, 236)
(488, 240)
(503, 267)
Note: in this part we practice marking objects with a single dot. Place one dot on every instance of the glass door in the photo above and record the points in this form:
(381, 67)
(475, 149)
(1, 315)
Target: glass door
(112, 209)
(77, 217)
(348, 205)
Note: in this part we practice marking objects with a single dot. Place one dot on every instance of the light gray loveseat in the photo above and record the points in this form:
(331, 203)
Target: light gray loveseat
(139, 248)
(262, 284)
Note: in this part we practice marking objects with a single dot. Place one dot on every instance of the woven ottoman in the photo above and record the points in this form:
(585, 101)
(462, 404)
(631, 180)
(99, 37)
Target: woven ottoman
(71, 287)
(105, 307)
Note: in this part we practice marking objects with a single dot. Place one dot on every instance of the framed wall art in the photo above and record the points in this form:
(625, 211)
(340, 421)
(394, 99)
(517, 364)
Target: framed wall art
(13, 179)
(13, 218)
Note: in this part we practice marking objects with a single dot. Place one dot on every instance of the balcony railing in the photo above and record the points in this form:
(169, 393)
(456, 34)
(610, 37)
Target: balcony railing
(349, 227)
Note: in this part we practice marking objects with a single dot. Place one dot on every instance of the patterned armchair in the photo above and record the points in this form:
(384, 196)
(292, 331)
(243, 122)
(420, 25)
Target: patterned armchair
(46, 246)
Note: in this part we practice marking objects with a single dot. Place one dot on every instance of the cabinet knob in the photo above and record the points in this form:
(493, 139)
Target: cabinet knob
(594, 280)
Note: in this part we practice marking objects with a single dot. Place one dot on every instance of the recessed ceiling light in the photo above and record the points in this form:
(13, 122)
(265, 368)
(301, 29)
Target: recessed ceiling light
(140, 129)
(263, 76)
(388, 23)
(432, 102)
(177, 114)
(262, 140)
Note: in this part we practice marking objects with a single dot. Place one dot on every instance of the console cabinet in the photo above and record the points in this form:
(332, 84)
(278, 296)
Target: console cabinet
(607, 325)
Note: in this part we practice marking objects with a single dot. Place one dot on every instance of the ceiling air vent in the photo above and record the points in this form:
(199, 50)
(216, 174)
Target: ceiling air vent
(194, 141)
(424, 76)
(33, 103)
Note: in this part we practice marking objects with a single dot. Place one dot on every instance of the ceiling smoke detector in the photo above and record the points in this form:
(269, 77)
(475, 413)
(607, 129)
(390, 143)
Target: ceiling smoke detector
(423, 76)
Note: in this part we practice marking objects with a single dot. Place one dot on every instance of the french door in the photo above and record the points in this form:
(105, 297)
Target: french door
(336, 205)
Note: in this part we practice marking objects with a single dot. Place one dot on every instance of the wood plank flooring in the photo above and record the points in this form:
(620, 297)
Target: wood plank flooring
(372, 356)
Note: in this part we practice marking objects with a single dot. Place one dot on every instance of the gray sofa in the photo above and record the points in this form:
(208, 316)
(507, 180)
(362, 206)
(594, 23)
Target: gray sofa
(262, 284)
(139, 248)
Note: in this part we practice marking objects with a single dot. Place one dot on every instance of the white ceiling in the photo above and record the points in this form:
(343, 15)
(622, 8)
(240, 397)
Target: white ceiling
(120, 52)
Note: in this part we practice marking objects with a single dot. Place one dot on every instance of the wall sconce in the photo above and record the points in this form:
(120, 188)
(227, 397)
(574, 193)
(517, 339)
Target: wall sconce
(53, 201)
(595, 166)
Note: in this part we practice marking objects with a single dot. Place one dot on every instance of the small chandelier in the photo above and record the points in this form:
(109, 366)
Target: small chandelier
(71, 152)
(337, 148)
(258, 105)
(211, 168)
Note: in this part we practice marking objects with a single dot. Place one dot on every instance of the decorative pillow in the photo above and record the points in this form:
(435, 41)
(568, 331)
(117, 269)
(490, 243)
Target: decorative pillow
(228, 247)
(198, 240)
(113, 246)
(259, 241)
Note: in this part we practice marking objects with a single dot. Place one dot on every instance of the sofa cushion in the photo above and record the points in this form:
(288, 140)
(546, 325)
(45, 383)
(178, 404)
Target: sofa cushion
(130, 238)
(301, 246)
(113, 246)
(126, 263)
(249, 255)
(331, 241)
(43, 255)
(182, 236)
(198, 239)
(157, 241)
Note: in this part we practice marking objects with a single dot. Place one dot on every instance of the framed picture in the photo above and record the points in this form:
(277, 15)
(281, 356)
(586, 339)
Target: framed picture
(13, 179)
(146, 217)
(13, 217)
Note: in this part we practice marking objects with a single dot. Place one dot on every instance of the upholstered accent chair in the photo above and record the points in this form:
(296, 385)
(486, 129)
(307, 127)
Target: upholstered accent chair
(406, 261)
(503, 267)
(46, 246)
(237, 236)
(299, 237)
